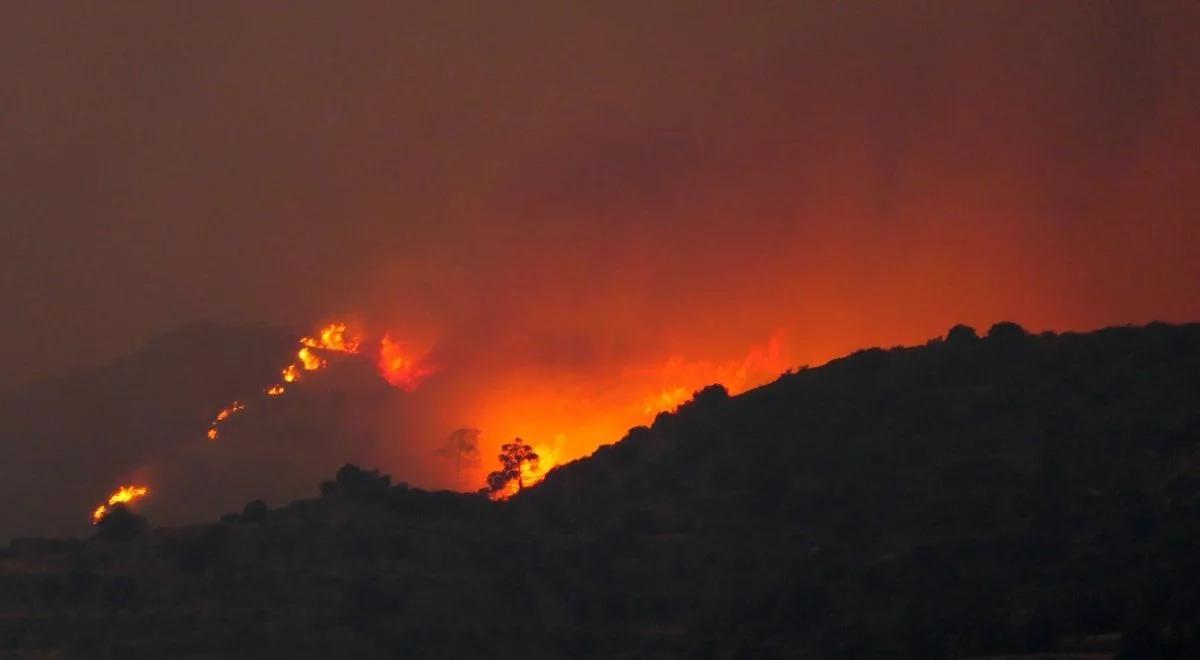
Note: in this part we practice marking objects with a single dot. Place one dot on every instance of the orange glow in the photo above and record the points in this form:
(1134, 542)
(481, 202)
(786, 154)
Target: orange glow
(667, 399)
(234, 407)
(399, 369)
(565, 417)
(311, 361)
(290, 374)
(124, 495)
(333, 338)
(533, 474)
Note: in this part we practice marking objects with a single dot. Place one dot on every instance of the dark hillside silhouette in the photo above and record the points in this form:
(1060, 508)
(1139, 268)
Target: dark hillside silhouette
(980, 495)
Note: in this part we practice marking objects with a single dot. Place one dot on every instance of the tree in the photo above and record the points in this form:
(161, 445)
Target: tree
(515, 458)
(356, 482)
(462, 447)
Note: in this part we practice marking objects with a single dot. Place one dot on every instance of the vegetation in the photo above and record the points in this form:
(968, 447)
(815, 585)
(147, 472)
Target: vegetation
(1007, 494)
(516, 458)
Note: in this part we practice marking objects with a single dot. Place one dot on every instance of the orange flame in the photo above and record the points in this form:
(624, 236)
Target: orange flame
(124, 495)
(333, 338)
(234, 407)
(290, 374)
(399, 369)
(309, 360)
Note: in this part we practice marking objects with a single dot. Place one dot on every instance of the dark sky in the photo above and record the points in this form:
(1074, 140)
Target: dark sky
(582, 182)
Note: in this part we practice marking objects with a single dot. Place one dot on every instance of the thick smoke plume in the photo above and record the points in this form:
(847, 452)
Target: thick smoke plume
(574, 210)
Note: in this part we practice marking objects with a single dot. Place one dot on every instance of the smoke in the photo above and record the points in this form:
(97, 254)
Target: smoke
(557, 201)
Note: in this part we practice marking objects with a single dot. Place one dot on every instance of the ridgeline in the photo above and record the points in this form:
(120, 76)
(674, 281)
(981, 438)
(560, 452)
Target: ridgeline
(1011, 494)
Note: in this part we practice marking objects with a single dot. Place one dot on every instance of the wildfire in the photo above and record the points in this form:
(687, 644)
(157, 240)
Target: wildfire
(540, 404)
(124, 495)
(532, 473)
(400, 370)
(234, 407)
(309, 360)
(333, 338)
(290, 374)
(666, 400)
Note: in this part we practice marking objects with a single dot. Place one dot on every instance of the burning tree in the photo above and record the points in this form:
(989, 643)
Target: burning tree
(516, 459)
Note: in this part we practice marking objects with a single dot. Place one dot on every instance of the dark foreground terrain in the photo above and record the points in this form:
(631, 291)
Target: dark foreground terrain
(976, 496)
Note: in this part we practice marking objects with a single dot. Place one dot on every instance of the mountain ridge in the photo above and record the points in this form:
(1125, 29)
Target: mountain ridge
(973, 496)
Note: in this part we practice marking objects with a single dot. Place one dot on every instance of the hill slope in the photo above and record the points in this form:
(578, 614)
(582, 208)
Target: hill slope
(969, 497)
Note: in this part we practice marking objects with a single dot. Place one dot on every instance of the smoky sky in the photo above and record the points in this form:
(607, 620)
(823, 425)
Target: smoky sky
(569, 182)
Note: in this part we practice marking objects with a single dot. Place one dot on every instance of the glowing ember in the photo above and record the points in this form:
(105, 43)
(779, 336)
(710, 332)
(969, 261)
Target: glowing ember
(235, 407)
(124, 495)
(275, 390)
(400, 370)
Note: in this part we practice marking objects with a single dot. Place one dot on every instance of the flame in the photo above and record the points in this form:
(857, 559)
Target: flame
(333, 338)
(234, 407)
(309, 360)
(540, 404)
(290, 374)
(124, 495)
(399, 369)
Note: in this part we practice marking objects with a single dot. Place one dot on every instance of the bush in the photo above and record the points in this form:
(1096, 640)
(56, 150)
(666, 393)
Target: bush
(121, 525)
(356, 482)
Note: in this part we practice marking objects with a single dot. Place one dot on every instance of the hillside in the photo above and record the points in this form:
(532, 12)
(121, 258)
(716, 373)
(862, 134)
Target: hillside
(974, 496)
(73, 439)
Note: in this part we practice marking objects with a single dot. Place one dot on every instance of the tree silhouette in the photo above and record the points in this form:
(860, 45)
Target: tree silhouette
(462, 447)
(514, 458)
